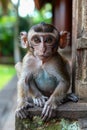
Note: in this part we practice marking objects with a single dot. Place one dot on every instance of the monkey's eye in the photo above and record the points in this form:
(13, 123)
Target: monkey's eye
(49, 40)
(36, 40)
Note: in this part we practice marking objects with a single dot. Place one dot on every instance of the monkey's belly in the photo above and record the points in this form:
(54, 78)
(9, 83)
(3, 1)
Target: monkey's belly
(45, 82)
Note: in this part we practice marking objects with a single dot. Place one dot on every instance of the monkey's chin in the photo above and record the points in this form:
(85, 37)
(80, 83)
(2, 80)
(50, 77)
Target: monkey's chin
(44, 57)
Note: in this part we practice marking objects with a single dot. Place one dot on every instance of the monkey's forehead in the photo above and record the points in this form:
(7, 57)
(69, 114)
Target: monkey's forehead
(31, 33)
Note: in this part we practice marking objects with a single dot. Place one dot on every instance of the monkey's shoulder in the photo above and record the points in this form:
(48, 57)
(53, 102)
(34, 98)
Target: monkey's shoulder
(31, 62)
(58, 66)
(28, 58)
(58, 61)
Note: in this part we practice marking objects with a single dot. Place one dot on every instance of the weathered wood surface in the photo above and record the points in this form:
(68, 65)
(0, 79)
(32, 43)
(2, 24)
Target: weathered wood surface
(74, 38)
(82, 43)
(68, 110)
(81, 73)
(83, 123)
(72, 111)
(84, 17)
(81, 49)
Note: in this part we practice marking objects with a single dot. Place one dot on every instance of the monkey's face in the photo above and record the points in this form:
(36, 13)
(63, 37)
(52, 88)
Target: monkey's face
(43, 44)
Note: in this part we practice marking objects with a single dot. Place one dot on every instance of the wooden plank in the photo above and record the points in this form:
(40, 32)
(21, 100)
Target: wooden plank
(68, 110)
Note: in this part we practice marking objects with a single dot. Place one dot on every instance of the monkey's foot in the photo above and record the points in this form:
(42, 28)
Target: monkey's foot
(23, 113)
(70, 97)
(40, 101)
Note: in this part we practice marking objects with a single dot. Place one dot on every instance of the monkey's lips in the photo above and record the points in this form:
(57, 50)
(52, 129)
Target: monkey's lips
(43, 56)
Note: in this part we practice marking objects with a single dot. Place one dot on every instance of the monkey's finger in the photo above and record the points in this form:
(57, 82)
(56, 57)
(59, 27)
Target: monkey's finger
(46, 114)
(28, 105)
(36, 102)
(23, 112)
(50, 114)
(43, 101)
(17, 115)
(23, 115)
(20, 115)
(44, 97)
(40, 103)
(44, 110)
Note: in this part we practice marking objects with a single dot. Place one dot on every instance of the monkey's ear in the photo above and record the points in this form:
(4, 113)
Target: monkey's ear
(24, 39)
(64, 39)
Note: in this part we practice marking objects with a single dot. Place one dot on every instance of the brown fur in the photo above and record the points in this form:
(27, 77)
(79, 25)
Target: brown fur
(45, 58)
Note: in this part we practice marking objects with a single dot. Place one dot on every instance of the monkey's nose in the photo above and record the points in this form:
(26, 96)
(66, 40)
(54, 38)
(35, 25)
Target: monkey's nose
(42, 50)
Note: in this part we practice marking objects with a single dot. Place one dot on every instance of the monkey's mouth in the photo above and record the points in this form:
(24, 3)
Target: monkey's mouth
(44, 56)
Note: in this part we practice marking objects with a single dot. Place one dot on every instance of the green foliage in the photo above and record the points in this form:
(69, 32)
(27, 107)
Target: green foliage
(24, 24)
(6, 35)
(6, 73)
(38, 124)
(7, 25)
(66, 125)
(45, 14)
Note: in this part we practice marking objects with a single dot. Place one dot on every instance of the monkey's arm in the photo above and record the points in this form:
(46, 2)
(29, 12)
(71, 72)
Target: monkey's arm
(22, 87)
(24, 71)
(18, 68)
(60, 91)
(54, 100)
(21, 94)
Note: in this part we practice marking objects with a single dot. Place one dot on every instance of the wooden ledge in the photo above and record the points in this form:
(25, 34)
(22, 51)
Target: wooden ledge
(68, 110)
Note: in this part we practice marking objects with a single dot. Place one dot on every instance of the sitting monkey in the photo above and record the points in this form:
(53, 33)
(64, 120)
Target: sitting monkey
(43, 74)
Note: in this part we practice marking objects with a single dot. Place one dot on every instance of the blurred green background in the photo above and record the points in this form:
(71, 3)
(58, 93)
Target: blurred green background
(17, 16)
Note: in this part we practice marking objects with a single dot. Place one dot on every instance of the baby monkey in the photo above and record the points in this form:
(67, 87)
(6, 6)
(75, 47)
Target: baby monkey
(43, 74)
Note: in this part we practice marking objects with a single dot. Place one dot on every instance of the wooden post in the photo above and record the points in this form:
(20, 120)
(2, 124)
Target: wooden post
(81, 53)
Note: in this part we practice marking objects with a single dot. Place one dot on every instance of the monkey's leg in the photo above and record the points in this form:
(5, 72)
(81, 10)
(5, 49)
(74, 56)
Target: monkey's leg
(22, 94)
(38, 98)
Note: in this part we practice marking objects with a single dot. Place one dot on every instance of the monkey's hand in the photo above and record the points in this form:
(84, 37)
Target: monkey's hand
(49, 108)
(40, 101)
(22, 112)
